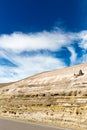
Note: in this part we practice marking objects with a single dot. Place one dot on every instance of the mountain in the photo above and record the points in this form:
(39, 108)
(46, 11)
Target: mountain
(56, 97)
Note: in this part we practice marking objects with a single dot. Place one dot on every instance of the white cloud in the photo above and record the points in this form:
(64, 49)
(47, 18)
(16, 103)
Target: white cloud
(83, 39)
(28, 66)
(83, 59)
(18, 42)
(11, 47)
(73, 57)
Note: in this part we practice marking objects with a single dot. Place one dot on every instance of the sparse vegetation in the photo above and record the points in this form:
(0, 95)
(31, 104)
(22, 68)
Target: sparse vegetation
(59, 99)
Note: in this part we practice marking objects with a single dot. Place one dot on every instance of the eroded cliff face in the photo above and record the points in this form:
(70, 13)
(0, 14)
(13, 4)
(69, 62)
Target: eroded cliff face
(58, 98)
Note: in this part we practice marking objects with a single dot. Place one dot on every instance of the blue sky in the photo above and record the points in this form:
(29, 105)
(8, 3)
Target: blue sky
(41, 35)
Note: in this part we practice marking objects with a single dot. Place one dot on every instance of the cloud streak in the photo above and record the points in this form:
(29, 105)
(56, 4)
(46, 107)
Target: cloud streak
(73, 56)
(18, 42)
(13, 46)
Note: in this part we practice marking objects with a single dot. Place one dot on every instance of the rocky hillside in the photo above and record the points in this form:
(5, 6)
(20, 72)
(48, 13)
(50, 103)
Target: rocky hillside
(56, 97)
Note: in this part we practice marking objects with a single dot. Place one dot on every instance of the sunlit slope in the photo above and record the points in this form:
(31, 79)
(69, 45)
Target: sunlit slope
(56, 97)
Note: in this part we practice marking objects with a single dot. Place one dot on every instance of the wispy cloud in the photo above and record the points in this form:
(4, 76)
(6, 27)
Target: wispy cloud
(18, 42)
(27, 66)
(83, 39)
(73, 56)
(13, 46)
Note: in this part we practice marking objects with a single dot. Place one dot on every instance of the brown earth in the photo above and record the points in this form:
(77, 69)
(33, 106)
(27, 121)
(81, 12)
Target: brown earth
(56, 97)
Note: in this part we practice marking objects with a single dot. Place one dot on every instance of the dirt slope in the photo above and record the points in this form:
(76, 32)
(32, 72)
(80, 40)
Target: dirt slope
(56, 97)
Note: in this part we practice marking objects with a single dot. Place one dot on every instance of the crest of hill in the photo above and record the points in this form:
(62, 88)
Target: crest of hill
(63, 72)
(59, 74)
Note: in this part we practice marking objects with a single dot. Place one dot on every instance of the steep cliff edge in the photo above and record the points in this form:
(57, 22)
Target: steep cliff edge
(56, 97)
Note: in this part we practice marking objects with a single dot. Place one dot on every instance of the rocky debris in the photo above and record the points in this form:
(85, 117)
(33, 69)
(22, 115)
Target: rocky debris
(79, 74)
